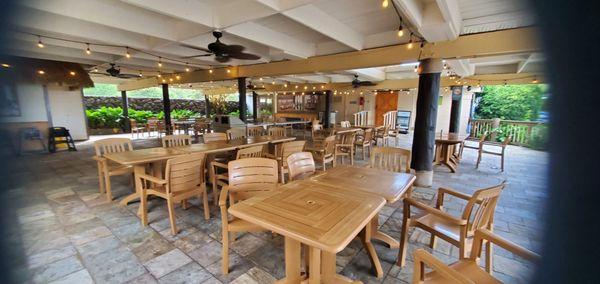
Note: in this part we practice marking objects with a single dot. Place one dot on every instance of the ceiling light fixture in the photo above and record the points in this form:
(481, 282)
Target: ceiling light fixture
(410, 42)
(87, 49)
(400, 31)
(40, 44)
(127, 54)
(41, 72)
(72, 73)
(159, 61)
(5, 65)
(385, 3)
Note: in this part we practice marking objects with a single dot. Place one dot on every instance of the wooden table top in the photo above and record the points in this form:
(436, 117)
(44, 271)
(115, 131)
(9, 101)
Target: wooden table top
(315, 214)
(142, 156)
(389, 185)
(259, 140)
(211, 147)
(450, 138)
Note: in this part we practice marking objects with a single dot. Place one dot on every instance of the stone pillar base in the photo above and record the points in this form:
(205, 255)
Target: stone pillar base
(424, 178)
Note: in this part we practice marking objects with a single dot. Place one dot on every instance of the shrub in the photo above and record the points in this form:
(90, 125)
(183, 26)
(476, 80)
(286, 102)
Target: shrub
(539, 137)
(141, 116)
(105, 117)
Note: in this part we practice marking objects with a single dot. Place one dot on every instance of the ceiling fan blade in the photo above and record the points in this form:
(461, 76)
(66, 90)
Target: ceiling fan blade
(367, 83)
(200, 55)
(244, 56)
(127, 76)
(194, 47)
(234, 48)
(222, 58)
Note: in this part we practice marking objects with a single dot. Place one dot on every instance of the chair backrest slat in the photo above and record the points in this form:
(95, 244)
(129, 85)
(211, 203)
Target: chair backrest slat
(235, 133)
(300, 165)
(185, 173)
(329, 145)
(250, 152)
(481, 206)
(254, 131)
(251, 176)
(391, 159)
(289, 148)
(277, 132)
(112, 145)
(214, 136)
(176, 140)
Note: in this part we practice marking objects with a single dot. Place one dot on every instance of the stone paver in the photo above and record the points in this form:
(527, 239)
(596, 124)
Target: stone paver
(66, 232)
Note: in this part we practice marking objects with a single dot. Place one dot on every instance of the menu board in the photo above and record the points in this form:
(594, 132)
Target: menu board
(310, 102)
(285, 103)
(297, 102)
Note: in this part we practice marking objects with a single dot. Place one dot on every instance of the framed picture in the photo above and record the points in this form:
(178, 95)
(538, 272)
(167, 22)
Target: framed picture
(9, 101)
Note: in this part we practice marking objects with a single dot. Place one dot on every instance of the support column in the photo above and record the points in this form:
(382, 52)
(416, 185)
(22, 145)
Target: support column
(242, 98)
(255, 105)
(328, 108)
(425, 120)
(455, 109)
(207, 105)
(167, 109)
(125, 106)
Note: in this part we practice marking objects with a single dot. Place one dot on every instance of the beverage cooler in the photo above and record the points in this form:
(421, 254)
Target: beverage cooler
(332, 117)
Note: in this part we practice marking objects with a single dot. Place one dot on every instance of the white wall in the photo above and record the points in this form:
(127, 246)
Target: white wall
(66, 109)
(31, 103)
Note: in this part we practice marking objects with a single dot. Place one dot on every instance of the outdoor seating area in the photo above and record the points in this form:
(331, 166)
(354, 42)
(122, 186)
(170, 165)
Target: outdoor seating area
(338, 141)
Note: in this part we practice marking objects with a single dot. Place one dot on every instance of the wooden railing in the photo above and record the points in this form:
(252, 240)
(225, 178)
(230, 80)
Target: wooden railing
(521, 131)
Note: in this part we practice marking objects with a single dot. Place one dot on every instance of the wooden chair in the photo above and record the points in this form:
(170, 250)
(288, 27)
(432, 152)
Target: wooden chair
(277, 132)
(381, 132)
(234, 133)
(153, 125)
(300, 165)
(501, 153)
(345, 147)
(316, 132)
(287, 149)
(107, 169)
(135, 128)
(286, 127)
(465, 270)
(255, 131)
(214, 137)
(176, 140)
(464, 144)
(478, 213)
(200, 128)
(345, 124)
(221, 179)
(184, 179)
(365, 142)
(391, 159)
(247, 178)
(324, 154)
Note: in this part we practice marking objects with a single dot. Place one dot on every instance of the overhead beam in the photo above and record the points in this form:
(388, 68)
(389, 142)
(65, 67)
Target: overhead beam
(468, 46)
(462, 67)
(266, 36)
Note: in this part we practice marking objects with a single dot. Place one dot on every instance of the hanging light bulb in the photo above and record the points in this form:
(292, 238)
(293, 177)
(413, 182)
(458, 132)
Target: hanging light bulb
(95, 69)
(159, 61)
(445, 66)
(385, 3)
(41, 72)
(505, 83)
(478, 84)
(228, 71)
(400, 31)
(535, 80)
(72, 73)
(273, 83)
(40, 44)
(170, 79)
(416, 68)
(305, 87)
(159, 75)
(177, 77)
(410, 42)
(87, 49)
(127, 54)
(285, 85)
(187, 68)
(210, 71)
(260, 78)
(140, 74)
(296, 87)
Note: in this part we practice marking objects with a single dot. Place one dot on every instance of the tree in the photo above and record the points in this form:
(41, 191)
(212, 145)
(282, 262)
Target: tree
(511, 102)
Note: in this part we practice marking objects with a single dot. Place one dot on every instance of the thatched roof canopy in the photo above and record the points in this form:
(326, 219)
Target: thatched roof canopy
(44, 72)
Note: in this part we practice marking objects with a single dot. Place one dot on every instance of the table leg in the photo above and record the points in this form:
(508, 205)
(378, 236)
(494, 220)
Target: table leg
(137, 170)
(328, 273)
(292, 262)
(381, 236)
(366, 236)
(314, 255)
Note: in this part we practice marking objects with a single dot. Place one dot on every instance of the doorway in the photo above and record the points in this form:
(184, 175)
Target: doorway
(384, 102)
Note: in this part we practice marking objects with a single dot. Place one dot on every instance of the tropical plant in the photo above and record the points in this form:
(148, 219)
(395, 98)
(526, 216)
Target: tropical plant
(112, 117)
(511, 102)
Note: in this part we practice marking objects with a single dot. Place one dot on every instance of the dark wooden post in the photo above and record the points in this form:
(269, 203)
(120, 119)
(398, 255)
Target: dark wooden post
(207, 105)
(328, 108)
(425, 120)
(125, 106)
(455, 108)
(167, 109)
(255, 106)
(242, 98)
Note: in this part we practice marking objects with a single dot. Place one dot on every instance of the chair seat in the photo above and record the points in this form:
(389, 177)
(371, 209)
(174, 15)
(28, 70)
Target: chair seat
(467, 268)
(436, 223)
(239, 225)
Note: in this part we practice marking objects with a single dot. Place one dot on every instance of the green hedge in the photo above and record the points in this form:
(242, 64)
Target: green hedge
(112, 117)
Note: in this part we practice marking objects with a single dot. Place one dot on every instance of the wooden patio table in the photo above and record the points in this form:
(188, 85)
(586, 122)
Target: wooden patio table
(445, 148)
(363, 127)
(325, 218)
(390, 185)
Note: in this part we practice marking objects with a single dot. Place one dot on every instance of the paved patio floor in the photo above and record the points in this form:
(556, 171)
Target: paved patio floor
(66, 232)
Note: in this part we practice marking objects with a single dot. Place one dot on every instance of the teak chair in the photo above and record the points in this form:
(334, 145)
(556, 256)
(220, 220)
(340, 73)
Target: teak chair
(365, 142)
(381, 132)
(221, 179)
(254, 131)
(247, 178)
(324, 155)
(478, 213)
(153, 124)
(214, 136)
(501, 153)
(300, 165)
(391, 159)
(184, 178)
(345, 147)
(176, 140)
(106, 169)
(135, 128)
(287, 149)
(464, 145)
(277, 132)
(233, 134)
(465, 270)
(316, 131)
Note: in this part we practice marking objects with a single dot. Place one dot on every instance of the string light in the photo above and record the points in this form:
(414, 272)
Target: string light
(228, 71)
(164, 81)
(41, 72)
(296, 87)
(273, 83)
(159, 75)
(72, 73)
(5, 65)
(177, 77)
(410, 42)
(322, 86)
(170, 79)
(400, 31)
(260, 78)
(416, 68)
(140, 74)
(385, 3)
(305, 87)
(285, 85)
(210, 71)
(535, 80)
(87, 49)
(95, 69)
(40, 44)
(159, 61)
(127, 54)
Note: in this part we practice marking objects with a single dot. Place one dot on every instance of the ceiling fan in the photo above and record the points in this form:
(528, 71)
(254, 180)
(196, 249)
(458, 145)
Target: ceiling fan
(222, 52)
(358, 83)
(253, 87)
(114, 72)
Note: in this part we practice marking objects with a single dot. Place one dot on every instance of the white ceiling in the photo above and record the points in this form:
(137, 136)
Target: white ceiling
(273, 29)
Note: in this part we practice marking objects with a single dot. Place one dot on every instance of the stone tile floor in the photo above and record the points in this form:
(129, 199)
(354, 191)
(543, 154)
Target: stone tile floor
(65, 232)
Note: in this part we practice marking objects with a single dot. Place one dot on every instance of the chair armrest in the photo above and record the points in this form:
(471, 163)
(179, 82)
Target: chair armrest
(505, 244)
(152, 179)
(445, 190)
(215, 165)
(223, 197)
(423, 257)
(408, 201)
(99, 158)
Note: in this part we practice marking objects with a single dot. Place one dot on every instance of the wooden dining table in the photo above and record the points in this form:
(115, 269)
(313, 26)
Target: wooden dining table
(324, 218)
(391, 186)
(445, 149)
